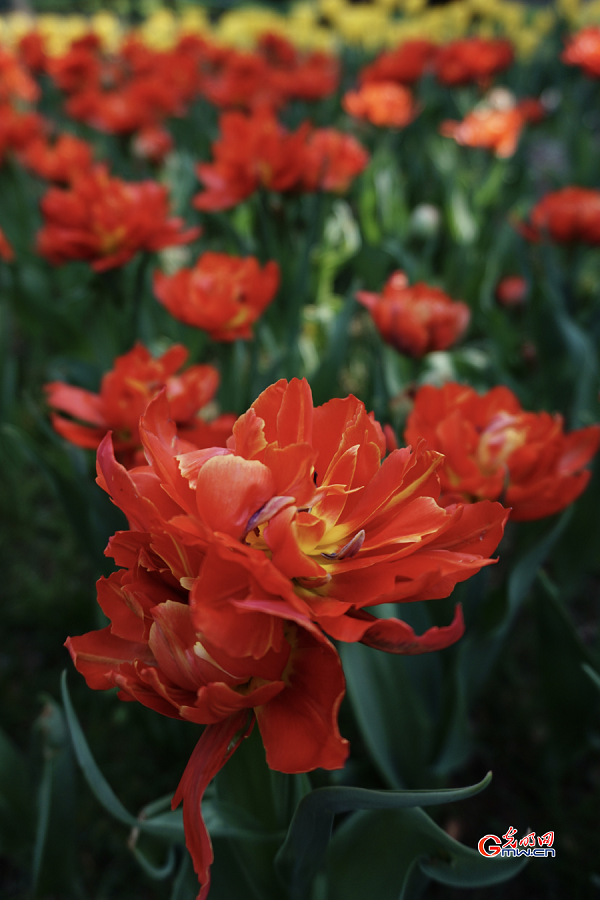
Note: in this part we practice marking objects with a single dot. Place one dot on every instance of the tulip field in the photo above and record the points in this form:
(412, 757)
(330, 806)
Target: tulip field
(299, 433)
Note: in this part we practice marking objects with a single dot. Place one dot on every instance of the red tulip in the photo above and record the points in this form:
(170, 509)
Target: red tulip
(404, 65)
(124, 394)
(59, 162)
(382, 103)
(106, 221)
(332, 161)
(512, 291)
(583, 49)
(493, 449)
(494, 126)
(570, 214)
(472, 59)
(222, 294)
(416, 319)
(239, 561)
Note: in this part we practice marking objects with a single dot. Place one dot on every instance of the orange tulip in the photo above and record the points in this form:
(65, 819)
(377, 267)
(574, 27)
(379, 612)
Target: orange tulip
(382, 103)
(222, 294)
(493, 449)
(416, 319)
(124, 395)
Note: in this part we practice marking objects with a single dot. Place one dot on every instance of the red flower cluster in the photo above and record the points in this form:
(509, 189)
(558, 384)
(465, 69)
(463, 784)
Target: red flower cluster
(138, 88)
(124, 394)
(382, 103)
(240, 561)
(256, 151)
(222, 294)
(106, 221)
(570, 214)
(272, 76)
(57, 161)
(416, 319)
(583, 49)
(496, 124)
(472, 60)
(493, 449)
(404, 65)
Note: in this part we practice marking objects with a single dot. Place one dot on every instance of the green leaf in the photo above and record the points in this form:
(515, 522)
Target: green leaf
(595, 677)
(304, 848)
(16, 801)
(393, 719)
(157, 873)
(381, 854)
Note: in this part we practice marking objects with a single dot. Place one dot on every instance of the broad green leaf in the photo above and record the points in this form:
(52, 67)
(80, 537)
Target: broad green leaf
(304, 848)
(380, 854)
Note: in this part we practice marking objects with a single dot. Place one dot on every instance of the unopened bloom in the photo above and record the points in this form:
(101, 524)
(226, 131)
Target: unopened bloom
(382, 103)
(472, 59)
(494, 449)
(106, 221)
(59, 161)
(152, 143)
(6, 251)
(404, 65)
(416, 319)
(239, 561)
(221, 294)
(570, 214)
(512, 291)
(125, 392)
(583, 49)
(495, 124)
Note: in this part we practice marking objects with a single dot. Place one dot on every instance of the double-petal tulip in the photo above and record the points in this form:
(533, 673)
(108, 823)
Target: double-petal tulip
(124, 395)
(494, 449)
(416, 319)
(570, 214)
(106, 221)
(222, 294)
(332, 160)
(239, 561)
(496, 124)
(472, 59)
(382, 103)
(253, 151)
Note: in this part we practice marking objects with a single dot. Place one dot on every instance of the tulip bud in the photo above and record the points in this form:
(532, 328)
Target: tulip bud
(425, 220)
(512, 291)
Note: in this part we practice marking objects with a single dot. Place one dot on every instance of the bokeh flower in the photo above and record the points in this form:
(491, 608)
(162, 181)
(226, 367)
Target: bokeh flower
(383, 103)
(6, 251)
(496, 450)
(416, 319)
(125, 392)
(332, 160)
(512, 291)
(403, 65)
(583, 49)
(570, 214)
(224, 295)
(495, 124)
(472, 59)
(106, 221)
(58, 161)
